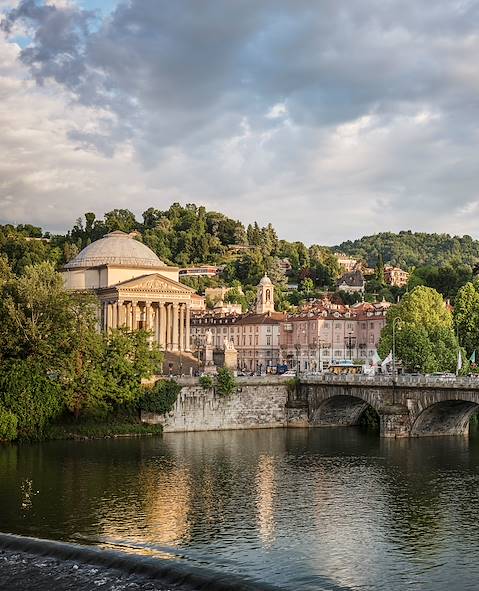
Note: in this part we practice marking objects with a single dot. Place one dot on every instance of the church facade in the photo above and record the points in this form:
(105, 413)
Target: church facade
(135, 288)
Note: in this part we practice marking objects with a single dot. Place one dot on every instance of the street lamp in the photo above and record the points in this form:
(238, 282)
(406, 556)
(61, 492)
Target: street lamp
(297, 347)
(349, 343)
(397, 321)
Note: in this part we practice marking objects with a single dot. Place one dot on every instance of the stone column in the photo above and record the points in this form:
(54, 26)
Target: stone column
(110, 315)
(162, 317)
(187, 329)
(134, 306)
(168, 327)
(121, 314)
(128, 315)
(105, 316)
(181, 342)
(175, 328)
(116, 314)
(148, 315)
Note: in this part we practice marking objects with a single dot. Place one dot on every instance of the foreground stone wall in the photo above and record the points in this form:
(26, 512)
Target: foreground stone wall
(257, 404)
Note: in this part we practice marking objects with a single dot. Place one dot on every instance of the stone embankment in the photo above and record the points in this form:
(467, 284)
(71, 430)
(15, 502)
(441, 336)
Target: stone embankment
(409, 406)
(257, 403)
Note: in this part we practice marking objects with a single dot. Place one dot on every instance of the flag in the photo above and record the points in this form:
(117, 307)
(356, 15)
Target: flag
(472, 358)
(459, 361)
(387, 360)
(376, 360)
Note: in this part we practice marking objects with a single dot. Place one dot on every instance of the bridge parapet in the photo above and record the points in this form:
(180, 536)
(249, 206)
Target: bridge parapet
(404, 381)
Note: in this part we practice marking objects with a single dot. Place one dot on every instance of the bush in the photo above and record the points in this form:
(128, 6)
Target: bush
(28, 392)
(8, 425)
(293, 385)
(225, 382)
(206, 382)
(161, 398)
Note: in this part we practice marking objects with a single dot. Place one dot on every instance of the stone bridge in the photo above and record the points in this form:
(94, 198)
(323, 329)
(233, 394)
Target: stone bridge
(407, 406)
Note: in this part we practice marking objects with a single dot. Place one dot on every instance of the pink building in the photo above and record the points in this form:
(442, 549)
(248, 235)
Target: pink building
(324, 333)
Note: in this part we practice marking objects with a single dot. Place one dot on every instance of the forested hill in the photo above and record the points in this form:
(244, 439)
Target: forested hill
(413, 249)
(189, 235)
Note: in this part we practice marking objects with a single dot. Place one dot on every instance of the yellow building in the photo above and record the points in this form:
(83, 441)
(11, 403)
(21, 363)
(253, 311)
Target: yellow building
(135, 288)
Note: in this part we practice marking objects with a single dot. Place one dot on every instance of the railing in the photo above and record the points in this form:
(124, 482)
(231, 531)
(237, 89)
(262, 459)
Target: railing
(358, 379)
(400, 380)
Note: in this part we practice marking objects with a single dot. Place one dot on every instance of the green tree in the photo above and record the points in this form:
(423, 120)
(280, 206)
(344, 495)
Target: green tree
(120, 219)
(466, 316)
(161, 397)
(128, 359)
(425, 337)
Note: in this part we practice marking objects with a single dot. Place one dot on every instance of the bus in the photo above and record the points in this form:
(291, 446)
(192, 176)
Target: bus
(345, 366)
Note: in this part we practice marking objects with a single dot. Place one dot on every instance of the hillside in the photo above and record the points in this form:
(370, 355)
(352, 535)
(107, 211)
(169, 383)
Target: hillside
(413, 249)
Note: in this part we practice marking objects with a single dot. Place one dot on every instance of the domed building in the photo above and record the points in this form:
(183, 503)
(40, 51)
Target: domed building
(135, 288)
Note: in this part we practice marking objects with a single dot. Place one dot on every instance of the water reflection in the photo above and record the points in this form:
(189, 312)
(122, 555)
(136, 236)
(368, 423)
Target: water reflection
(265, 497)
(306, 509)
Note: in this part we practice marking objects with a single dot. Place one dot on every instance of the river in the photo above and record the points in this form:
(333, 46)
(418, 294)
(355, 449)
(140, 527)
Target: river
(302, 509)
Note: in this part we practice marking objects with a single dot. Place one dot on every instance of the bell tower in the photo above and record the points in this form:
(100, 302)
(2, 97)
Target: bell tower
(265, 296)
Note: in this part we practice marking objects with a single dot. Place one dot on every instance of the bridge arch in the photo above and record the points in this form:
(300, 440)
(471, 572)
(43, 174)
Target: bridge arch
(342, 410)
(448, 417)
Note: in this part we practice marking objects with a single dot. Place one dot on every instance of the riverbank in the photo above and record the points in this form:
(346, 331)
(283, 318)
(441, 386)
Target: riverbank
(99, 428)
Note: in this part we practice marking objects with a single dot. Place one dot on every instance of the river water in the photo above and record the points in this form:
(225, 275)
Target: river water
(331, 509)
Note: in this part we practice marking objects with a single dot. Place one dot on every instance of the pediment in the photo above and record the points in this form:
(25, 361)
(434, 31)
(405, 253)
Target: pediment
(154, 282)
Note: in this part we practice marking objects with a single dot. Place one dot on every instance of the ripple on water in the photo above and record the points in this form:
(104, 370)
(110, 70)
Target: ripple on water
(304, 509)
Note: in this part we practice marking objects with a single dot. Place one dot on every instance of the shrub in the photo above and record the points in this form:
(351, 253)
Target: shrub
(293, 385)
(31, 394)
(161, 398)
(225, 382)
(206, 382)
(8, 425)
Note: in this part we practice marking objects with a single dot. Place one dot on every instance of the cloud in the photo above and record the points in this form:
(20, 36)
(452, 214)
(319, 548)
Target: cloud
(338, 118)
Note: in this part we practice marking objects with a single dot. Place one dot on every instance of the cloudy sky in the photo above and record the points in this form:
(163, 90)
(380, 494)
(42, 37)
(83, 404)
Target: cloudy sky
(330, 118)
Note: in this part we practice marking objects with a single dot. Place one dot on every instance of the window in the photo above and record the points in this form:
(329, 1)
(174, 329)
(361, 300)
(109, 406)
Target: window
(371, 325)
(256, 340)
(250, 340)
(338, 325)
(363, 325)
(371, 339)
(337, 353)
(326, 325)
(268, 341)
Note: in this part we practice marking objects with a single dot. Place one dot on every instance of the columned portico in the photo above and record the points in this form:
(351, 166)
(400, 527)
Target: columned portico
(129, 305)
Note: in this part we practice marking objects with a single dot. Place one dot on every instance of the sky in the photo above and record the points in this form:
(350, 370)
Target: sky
(330, 119)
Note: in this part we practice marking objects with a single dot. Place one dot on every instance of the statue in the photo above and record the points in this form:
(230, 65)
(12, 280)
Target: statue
(209, 364)
(209, 337)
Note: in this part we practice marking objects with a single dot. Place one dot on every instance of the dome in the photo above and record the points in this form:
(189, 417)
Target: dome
(116, 248)
(265, 280)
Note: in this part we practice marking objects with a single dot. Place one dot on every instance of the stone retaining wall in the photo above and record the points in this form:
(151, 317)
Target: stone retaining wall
(256, 404)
